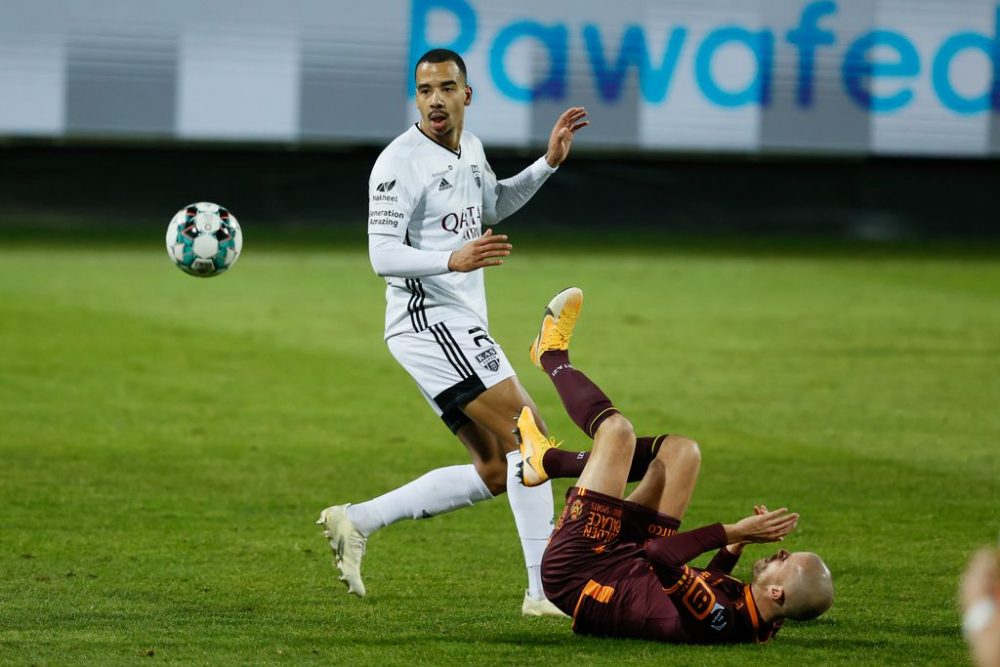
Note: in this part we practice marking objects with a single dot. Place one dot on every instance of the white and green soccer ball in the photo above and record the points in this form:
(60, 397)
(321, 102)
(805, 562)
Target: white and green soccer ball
(204, 239)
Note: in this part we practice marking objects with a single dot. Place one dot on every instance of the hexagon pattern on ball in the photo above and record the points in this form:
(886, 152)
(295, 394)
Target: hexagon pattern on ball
(204, 239)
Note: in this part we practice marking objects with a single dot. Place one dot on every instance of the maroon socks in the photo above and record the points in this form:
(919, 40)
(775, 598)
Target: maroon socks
(559, 463)
(588, 407)
(585, 403)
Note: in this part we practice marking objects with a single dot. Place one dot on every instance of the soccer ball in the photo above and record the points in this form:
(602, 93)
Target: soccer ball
(204, 239)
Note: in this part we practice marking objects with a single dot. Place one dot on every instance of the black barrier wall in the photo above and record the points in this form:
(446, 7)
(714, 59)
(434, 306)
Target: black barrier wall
(50, 187)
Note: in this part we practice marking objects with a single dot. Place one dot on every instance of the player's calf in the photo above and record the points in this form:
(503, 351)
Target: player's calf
(670, 480)
(494, 475)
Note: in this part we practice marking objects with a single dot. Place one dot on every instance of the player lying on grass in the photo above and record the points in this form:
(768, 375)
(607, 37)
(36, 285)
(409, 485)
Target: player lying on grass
(619, 566)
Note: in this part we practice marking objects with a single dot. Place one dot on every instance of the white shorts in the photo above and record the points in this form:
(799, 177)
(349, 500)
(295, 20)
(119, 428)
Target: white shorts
(451, 364)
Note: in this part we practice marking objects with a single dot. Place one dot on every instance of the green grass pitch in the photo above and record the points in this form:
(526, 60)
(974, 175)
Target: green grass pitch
(167, 442)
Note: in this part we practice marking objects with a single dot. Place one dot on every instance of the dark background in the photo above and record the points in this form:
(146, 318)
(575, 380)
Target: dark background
(50, 187)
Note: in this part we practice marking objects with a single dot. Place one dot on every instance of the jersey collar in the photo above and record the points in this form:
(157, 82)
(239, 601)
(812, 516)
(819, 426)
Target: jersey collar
(761, 631)
(457, 153)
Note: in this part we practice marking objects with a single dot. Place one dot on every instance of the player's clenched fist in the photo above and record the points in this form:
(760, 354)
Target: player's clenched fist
(487, 250)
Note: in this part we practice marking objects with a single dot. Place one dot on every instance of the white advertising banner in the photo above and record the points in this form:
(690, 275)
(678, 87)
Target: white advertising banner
(899, 77)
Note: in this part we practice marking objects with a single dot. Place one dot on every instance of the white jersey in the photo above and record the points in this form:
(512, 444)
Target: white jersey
(435, 200)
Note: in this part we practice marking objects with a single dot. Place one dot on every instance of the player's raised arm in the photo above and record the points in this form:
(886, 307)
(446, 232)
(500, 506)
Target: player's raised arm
(762, 526)
(503, 198)
(561, 139)
(736, 548)
(674, 551)
(726, 559)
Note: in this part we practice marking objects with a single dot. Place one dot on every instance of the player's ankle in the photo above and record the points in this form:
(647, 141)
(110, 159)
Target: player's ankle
(553, 359)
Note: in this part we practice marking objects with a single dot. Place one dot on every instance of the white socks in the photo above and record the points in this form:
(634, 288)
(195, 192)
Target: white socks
(437, 492)
(533, 511)
(447, 489)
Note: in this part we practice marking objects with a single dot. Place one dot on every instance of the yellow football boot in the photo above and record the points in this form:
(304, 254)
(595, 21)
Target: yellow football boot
(533, 447)
(557, 324)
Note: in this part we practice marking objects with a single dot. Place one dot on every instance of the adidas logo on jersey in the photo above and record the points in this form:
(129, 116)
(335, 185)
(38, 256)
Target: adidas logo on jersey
(386, 187)
(444, 185)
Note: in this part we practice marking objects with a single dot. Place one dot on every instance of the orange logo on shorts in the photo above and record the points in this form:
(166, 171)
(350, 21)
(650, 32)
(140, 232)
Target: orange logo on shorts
(660, 531)
(576, 510)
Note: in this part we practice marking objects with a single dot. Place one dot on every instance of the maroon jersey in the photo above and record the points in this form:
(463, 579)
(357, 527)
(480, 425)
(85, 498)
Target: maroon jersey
(600, 568)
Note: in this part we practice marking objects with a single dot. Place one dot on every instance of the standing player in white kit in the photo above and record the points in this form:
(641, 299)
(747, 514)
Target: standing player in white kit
(431, 191)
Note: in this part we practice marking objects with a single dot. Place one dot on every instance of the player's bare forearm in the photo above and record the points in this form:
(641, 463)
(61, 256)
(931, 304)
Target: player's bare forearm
(487, 250)
(736, 548)
(561, 138)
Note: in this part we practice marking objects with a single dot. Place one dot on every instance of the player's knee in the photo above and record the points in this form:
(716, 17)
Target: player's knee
(616, 428)
(680, 450)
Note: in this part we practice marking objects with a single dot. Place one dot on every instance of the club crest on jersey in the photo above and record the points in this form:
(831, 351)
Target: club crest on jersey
(475, 172)
(489, 359)
(387, 186)
(576, 511)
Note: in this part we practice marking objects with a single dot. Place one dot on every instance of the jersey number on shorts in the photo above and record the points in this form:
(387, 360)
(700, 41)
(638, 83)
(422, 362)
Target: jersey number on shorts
(481, 337)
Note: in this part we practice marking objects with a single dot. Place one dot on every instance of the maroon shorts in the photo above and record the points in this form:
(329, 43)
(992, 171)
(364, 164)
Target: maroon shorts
(594, 535)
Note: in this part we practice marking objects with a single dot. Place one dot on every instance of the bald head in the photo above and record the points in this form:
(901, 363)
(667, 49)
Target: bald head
(808, 587)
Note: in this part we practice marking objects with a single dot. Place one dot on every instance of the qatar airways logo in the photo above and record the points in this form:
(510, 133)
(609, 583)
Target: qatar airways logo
(468, 222)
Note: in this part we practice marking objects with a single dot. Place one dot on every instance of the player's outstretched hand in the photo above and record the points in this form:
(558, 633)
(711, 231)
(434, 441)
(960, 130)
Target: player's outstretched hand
(763, 526)
(736, 548)
(562, 134)
(484, 251)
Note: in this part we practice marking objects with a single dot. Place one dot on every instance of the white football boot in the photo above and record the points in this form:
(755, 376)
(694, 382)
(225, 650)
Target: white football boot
(540, 607)
(348, 546)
